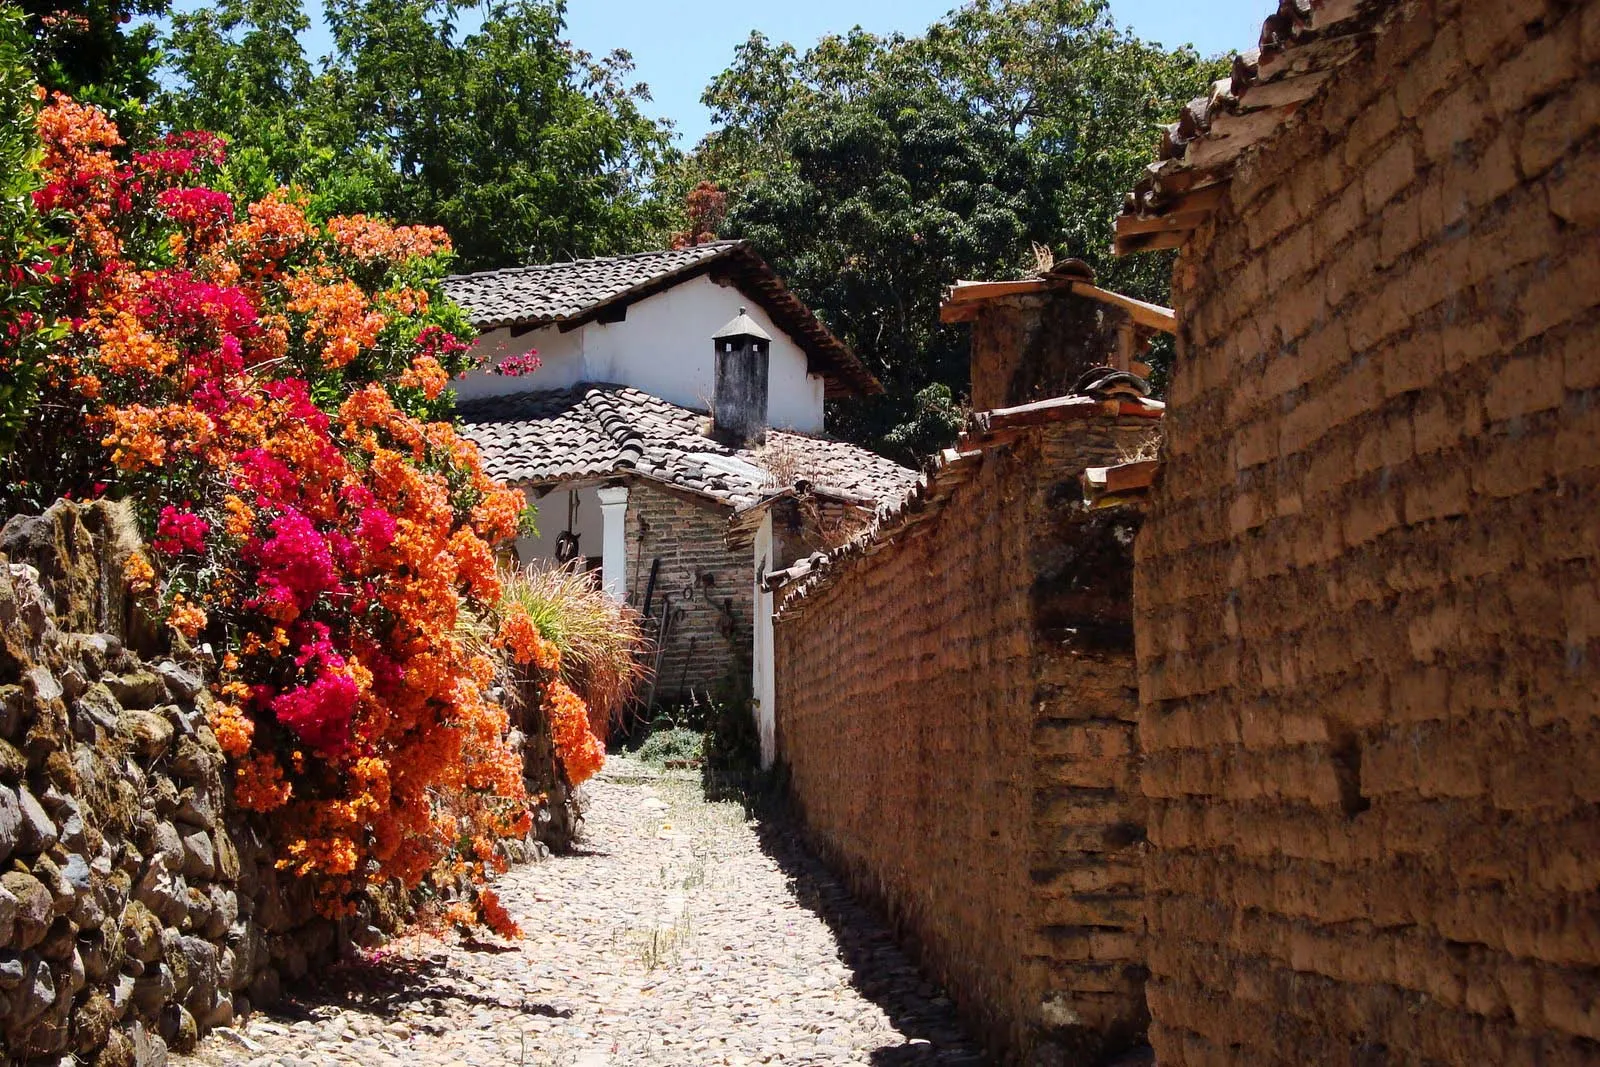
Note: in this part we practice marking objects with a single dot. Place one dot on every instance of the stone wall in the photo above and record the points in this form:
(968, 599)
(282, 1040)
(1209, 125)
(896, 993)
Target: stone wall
(135, 911)
(1369, 589)
(956, 712)
(709, 649)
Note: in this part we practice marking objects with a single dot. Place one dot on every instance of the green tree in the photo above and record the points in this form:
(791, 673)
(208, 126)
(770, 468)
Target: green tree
(90, 50)
(522, 147)
(874, 171)
(26, 261)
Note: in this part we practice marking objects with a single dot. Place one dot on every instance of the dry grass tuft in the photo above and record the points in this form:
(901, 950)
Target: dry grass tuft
(1044, 260)
(601, 641)
(783, 461)
(1148, 447)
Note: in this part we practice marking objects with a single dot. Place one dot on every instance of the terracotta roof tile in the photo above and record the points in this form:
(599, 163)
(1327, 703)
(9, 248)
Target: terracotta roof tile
(1302, 45)
(556, 292)
(597, 430)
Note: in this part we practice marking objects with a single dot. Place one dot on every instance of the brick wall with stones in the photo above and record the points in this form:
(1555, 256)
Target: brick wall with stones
(957, 716)
(135, 911)
(1369, 590)
(709, 649)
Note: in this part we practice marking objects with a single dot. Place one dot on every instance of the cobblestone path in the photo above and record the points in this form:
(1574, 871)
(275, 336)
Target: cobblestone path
(681, 935)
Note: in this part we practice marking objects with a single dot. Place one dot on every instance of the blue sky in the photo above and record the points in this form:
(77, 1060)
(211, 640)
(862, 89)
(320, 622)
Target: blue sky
(679, 46)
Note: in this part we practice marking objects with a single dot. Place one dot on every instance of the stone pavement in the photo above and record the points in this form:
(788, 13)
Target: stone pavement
(681, 934)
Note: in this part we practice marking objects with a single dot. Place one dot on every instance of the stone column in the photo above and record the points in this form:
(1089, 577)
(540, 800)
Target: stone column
(614, 549)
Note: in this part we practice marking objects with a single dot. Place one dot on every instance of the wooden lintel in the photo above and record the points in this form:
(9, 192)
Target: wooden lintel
(953, 313)
(972, 292)
(1205, 198)
(1136, 475)
(1150, 242)
(1182, 220)
(1154, 316)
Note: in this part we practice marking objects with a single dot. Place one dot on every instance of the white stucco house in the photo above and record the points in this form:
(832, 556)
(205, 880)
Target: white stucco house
(674, 389)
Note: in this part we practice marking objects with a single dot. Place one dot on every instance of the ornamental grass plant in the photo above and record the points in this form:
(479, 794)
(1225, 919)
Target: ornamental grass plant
(600, 640)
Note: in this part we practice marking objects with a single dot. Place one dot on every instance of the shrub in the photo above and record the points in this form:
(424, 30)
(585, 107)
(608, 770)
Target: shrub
(26, 262)
(269, 391)
(674, 743)
(599, 639)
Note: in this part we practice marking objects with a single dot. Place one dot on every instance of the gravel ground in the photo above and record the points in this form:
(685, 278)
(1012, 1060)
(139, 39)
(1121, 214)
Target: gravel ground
(680, 934)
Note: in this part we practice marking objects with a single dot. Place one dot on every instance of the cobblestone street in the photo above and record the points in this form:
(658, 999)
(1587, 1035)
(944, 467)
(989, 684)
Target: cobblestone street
(676, 936)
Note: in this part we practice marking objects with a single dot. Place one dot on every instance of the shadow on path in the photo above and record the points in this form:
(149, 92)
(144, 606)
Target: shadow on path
(386, 988)
(880, 969)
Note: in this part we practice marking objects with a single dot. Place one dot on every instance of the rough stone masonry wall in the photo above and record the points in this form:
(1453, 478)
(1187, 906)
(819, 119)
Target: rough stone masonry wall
(957, 716)
(1369, 591)
(709, 650)
(135, 912)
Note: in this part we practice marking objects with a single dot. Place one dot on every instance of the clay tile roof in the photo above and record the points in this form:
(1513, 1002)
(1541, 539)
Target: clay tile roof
(598, 430)
(558, 292)
(578, 292)
(1303, 43)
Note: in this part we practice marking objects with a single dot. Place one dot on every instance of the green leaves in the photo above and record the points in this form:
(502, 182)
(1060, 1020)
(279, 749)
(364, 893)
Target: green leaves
(873, 171)
(26, 263)
(523, 148)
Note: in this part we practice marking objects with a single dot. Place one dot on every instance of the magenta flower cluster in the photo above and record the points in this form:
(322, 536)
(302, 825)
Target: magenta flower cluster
(179, 531)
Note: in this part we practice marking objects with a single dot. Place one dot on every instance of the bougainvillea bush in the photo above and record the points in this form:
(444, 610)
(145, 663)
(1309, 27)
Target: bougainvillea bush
(270, 392)
(26, 265)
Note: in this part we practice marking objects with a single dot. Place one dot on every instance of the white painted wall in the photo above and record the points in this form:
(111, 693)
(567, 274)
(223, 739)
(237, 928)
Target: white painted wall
(552, 522)
(764, 685)
(664, 348)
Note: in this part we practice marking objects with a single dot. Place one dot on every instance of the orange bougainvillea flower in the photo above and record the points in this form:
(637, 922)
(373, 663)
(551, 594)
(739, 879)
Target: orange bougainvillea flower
(370, 239)
(233, 728)
(186, 618)
(140, 575)
(426, 374)
(520, 636)
(495, 916)
(260, 380)
(580, 750)
(340, 318)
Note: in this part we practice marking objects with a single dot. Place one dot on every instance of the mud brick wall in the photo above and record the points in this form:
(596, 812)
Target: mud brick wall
(709, 650)
(1027, 348)
(957, 715)
(1369, 590)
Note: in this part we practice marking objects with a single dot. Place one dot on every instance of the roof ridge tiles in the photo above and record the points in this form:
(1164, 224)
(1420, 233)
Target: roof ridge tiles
(620, 258)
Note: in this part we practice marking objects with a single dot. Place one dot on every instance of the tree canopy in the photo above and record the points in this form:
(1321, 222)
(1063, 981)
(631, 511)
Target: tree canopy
(524, 148)
(875, 170)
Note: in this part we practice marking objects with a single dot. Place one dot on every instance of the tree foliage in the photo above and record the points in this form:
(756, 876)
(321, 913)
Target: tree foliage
(873, 171)
(26, 259)
(92, 49)
(522, 147)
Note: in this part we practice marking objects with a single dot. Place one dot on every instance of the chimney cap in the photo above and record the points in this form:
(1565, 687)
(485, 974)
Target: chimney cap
(742, 326)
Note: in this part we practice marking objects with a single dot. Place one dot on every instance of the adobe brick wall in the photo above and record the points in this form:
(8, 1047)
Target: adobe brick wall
(1368, 593)
(709, 650)
(957, 714)
(1027, 348)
